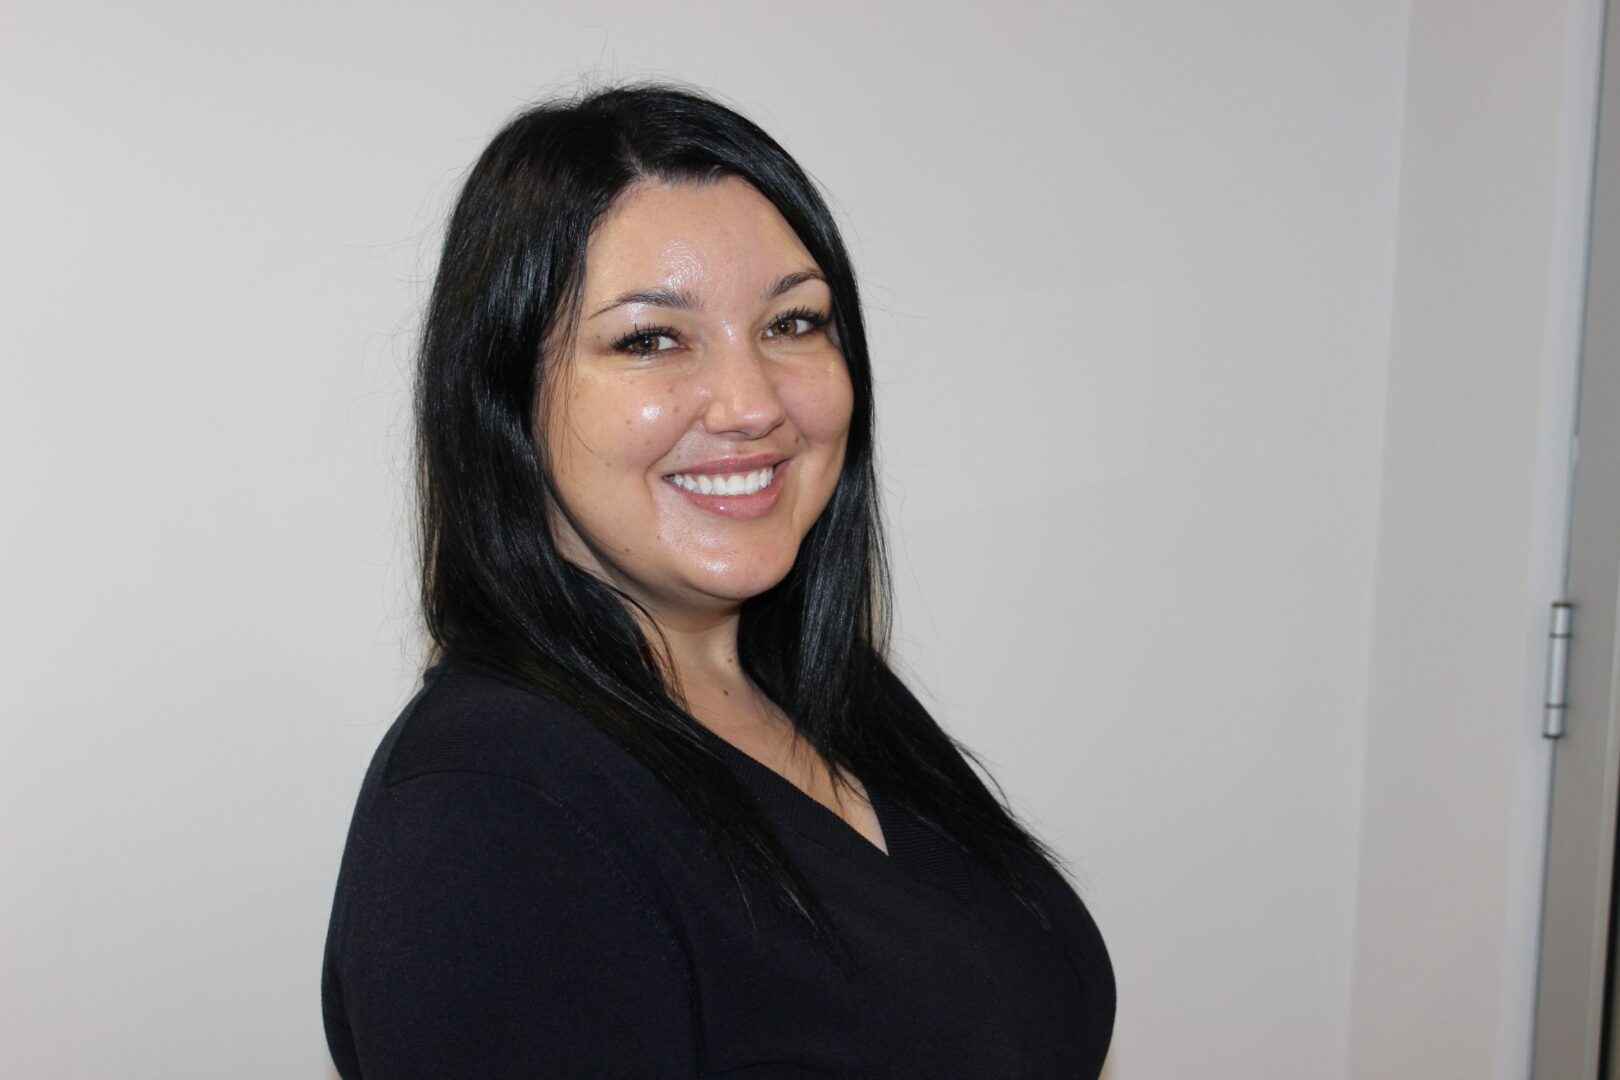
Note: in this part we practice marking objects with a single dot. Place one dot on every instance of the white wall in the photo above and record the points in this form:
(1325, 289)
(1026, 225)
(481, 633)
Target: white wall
(1130, 270)
(1141, 582)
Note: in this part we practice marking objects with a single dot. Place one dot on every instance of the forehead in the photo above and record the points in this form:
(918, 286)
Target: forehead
(691, 233)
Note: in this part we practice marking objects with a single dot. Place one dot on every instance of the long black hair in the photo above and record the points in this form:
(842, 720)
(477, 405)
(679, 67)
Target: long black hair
(497, 593)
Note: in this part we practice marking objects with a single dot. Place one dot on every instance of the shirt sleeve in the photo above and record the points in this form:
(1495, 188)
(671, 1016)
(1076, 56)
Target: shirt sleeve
(491, 936)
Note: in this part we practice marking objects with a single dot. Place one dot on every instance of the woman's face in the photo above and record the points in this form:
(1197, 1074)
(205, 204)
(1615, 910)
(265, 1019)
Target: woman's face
(702, 367)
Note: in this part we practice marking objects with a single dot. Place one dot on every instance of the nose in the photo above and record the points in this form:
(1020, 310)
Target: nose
(742, 401)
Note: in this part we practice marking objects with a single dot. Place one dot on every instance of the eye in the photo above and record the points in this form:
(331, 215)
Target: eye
(801, 322)
(646, 340)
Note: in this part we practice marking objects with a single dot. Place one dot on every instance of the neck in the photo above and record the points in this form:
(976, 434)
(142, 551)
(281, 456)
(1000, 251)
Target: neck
(702, 646)
(696, 646)
(703, 668)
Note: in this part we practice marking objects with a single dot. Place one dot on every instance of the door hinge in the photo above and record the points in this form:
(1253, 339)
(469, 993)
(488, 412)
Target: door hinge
(1552, 719)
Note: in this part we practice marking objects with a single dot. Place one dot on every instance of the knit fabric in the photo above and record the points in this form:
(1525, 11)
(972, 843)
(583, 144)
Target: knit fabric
(520, 897)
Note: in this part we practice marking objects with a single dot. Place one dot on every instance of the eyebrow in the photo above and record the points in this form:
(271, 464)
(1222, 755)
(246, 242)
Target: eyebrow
(793, 281)
(670, 298)
(681, 300)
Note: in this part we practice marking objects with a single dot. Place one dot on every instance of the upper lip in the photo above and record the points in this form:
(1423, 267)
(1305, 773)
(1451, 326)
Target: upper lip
(727, 466)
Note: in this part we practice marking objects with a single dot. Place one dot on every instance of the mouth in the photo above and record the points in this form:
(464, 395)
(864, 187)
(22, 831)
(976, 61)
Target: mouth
(745, 482)
(746, 493)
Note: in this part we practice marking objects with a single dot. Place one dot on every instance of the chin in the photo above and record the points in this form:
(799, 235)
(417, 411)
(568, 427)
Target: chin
(737, 586)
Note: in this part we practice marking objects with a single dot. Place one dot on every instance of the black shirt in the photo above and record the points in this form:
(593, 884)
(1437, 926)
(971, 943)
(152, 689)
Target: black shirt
(520, 897)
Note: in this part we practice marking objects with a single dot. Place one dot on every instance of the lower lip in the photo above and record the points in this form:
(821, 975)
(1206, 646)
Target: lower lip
(739, 506)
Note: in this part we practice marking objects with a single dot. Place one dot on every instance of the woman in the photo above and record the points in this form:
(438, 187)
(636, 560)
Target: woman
(660, 808)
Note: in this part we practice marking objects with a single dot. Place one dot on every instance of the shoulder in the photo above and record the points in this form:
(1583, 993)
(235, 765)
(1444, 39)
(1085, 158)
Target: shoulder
(499, 864)
(474, 746)
(466, 720)
(511, 787)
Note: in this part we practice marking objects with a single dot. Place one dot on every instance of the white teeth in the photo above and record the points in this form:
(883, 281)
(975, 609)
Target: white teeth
(735, 484)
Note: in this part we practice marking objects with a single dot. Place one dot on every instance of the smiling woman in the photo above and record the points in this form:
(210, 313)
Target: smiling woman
(661, 807)
(699, 427)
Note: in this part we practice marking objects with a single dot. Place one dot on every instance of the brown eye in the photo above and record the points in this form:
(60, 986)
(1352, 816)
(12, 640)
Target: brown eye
(796, 324)
(645, 342)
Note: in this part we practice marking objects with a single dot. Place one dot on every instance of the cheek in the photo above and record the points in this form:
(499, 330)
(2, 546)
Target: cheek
(822, 403)
(616, 426)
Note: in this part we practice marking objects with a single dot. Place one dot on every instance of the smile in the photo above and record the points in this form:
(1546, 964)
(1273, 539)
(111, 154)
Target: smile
(736, 484)
(740, 495)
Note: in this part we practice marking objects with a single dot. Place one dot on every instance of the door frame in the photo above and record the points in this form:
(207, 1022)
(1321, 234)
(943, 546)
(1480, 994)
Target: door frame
(1573, 1012)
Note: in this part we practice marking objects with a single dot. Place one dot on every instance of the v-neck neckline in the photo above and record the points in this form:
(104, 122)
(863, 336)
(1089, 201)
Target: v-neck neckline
(918, 854)
(802, 810)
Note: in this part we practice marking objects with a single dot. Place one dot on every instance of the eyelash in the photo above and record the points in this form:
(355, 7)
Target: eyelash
(816, 319)
(817, 322)
(627, 344)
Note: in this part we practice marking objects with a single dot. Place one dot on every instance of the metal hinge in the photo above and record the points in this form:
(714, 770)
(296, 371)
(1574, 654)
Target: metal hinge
(1552, 720)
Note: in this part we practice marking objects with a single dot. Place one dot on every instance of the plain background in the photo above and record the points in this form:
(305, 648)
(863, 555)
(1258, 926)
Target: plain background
(1225, 355)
